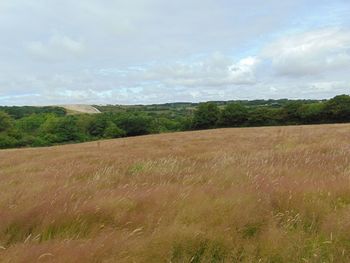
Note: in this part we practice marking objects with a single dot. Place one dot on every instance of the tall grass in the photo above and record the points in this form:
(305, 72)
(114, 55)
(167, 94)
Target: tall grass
(278, 194)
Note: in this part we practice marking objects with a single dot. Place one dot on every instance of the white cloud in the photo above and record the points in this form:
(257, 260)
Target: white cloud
(329, 86)
(244, 71)
(58, 47)
(147, 51)
(215, 70)
(309, 53)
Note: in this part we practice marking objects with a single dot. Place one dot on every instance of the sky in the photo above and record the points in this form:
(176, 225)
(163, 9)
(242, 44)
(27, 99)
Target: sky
(155, 51)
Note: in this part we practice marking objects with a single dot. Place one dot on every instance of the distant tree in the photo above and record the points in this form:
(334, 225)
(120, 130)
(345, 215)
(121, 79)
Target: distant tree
(263, 116)
(233, 115)
(206, 116)
(134, 124)
(113, 131)
(338, 109)
(185, 123)
(291, 112)
(162, 124)
(312, 113)
(31, 123)
(18, 112)
(32, 140)
(83, 122)
(6, 122)
(40, 126)
(7, 142)
(60, 129)
(97, 125)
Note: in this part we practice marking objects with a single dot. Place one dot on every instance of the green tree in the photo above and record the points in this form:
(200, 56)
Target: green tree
(206, 116)
(134, 124)
(163, 124)
(6, 122)
(7, 142)
(60, 129)
(113, 131)
(18, 112)
(261, 116)
(97, 126)
(338, 109)
(233, 115)
(291, 112)
(32, 123)
(312, 113)
(83, 122)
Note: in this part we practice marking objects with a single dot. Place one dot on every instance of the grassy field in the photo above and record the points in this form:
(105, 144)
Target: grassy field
(276, 194)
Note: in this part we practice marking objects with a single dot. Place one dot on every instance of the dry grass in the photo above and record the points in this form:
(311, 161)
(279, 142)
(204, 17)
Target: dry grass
(277, 194)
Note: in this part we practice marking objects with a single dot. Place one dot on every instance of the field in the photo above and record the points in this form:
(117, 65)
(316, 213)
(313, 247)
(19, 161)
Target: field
(274, 194)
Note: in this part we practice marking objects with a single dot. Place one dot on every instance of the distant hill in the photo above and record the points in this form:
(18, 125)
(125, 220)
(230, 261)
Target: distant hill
(80, 108)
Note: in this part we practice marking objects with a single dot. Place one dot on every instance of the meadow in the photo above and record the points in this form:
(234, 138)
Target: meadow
(269, 194)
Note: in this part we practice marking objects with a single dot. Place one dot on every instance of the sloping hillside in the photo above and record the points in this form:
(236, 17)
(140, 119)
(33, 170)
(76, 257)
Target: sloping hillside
(275, 194)
(80, 108)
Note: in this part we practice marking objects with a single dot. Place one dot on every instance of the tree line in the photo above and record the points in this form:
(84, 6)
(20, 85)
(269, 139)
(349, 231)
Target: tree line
(45, 126)
(335, 110)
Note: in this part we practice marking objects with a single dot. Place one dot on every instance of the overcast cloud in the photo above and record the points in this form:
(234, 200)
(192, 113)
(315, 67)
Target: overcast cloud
(154, 51)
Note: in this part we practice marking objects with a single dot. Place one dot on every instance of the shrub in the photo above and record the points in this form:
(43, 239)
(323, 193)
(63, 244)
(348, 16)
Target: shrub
(63, 129)
(7, 142)
(135, 124)
(6, 121)
(113, 131)
(338, 109)
(234, 115)
(206, 116)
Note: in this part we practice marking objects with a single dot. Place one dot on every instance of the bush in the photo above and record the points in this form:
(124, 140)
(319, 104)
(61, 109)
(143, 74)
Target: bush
(97, 126)
(338, 109)
(62, 129)
(263, 116)
(7, 142)
(162, 124)
(113, 131)
(34, 141)
(291, 113)
(6, 121)
(32, 123)
(312, 113)
(206, 116)
(135, 124)
(234, 115)
(18, 112)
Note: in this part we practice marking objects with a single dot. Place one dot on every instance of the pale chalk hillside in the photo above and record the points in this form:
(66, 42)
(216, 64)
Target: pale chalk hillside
(80, 108)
